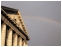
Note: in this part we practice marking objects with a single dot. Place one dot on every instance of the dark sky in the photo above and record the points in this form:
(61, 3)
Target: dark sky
(42, 20)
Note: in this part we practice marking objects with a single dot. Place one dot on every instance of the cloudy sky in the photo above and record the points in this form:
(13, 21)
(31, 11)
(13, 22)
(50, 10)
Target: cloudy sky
(42, 20)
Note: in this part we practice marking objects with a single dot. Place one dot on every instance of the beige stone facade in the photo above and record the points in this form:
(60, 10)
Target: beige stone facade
(13, 30)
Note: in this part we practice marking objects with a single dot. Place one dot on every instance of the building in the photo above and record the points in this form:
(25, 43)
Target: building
(13, 30)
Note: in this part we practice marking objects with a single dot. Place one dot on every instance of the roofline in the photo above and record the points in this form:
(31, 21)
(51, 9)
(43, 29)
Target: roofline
(10, 10)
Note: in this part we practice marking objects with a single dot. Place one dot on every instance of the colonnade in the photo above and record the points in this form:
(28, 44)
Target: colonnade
(8, 38)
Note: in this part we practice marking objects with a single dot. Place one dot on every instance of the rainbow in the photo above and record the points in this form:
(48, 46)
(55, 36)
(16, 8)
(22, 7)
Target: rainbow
(42, 18)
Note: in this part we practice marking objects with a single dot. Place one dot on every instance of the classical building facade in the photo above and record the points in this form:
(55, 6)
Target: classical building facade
(13, 30)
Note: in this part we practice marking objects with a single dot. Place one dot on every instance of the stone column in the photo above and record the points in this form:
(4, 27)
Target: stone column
(19, 41)
(15, 39)
(24, 43)
(9, 37)
(3, 34)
